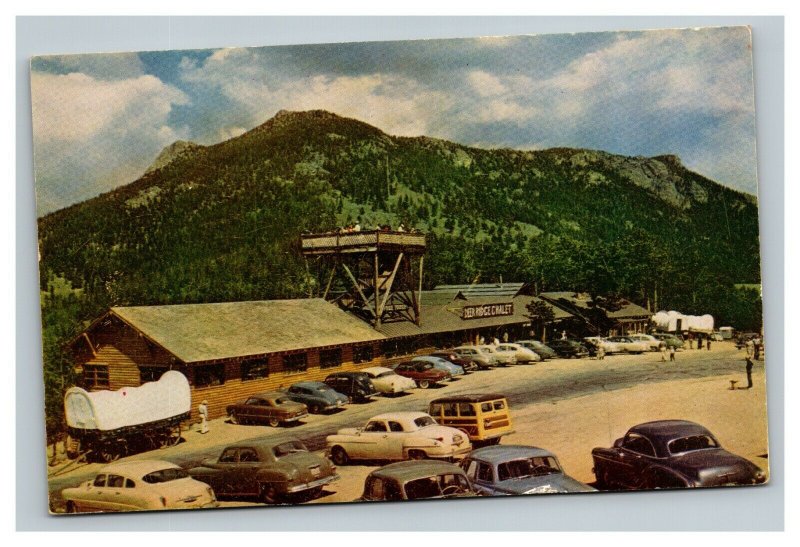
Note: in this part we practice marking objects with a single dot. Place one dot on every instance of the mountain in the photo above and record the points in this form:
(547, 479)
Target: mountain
(222, 222)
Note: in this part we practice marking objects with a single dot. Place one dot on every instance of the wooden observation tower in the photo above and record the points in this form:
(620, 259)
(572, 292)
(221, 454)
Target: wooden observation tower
(374, 274)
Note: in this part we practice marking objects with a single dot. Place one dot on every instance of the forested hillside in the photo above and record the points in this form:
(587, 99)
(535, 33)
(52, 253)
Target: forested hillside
(222, 222)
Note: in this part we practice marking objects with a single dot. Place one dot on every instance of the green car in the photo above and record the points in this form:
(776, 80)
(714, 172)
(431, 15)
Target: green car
(670, 340)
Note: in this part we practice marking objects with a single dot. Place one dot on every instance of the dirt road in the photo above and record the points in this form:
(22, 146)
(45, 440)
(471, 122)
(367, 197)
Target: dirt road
(566, 406)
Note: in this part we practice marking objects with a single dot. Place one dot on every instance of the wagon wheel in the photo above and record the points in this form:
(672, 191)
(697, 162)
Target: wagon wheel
(110, 453)
(171, 436)
(274, 422)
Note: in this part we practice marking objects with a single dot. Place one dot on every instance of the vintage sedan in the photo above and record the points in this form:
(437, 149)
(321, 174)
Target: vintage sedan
(521, 353)
(501, 358)
(424, 374)
(388, 381)
(441, 364)
(569, 349)
(271, 407)
(513, 470)
(671, 340)
(142, 485)
(267, 469)
(416, 480)
(484, 359)
(317, 396)
(542, 350)
(649, 340)
(670, 454)
(397, 436)
(629, 345)
(466, 364)
(608, 346)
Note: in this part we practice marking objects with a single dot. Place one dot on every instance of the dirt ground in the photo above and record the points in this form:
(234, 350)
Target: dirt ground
(565, 406)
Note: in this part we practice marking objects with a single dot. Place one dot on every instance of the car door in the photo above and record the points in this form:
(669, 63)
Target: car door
(225, 478)
(481, 475)
(634, 456)
(242, 475)
(115, 496)
(373, 441)
(395, 440)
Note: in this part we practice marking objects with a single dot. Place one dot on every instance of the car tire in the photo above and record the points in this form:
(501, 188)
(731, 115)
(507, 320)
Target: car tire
(71, 508)
(339, 456)
(424, 384)
(314, 409)
(268, 493)
(417, 454)
(274, 422)
(234, 419)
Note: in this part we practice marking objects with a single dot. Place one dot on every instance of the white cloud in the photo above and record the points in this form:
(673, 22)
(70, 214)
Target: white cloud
(485, 84)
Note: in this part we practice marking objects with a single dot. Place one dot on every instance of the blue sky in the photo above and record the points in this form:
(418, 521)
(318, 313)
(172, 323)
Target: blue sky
(99, 120)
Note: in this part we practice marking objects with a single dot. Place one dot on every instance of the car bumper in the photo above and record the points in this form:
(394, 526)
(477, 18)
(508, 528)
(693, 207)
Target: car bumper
(313, 484)
(333, 406)
(295, 418)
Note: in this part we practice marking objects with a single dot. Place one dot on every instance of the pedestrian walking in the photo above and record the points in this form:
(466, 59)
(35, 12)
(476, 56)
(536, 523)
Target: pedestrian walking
(662, 347)
(202, 409)
(691, 342)
(749, 369)
(672, 353)
(756, 348)
(601, 352)
(708, 344)
(749, 347)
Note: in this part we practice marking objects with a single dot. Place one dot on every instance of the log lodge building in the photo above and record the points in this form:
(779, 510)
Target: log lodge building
(231, 350)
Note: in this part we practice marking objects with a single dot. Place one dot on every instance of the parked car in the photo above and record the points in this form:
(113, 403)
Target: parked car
(424, 374)
(388, 381)
(416, 480)
(501, 358)
(442, 364)
(569, 349)
(317, 396)
(514, 469)
(521, 353)
(608, 346)
(466, 364)
(485, 417)
(629, 345)
(717, 336)
(356, 385)
(650, 341)
(484, 359)
(397, 436)
(670, 454)
(543, 350)
(271, 407)
(671, 340)
(268, 469)
(142, 485)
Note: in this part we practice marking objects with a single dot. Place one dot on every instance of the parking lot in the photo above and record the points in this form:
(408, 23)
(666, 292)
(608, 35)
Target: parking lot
(568, 406)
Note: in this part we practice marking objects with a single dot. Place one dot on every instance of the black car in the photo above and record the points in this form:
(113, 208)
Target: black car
(356, 385)
(670, 454)
(568, 348)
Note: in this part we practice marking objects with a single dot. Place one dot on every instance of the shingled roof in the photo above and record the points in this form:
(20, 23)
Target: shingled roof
(207, 332)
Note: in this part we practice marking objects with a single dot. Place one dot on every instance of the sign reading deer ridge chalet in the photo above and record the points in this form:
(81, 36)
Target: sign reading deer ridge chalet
(487, 310)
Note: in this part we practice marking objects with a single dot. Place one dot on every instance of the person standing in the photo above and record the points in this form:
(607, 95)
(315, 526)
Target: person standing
(691, 341)
(756, 348)
(601, 351)
(505, 337)
(749, 369)
(202, 409)
(708, 343)
(749, 348)
(672, 353)
(662, 347)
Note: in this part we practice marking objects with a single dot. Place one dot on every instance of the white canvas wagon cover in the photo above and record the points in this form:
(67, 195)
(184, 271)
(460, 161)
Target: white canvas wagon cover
(668, 321)
(108, 410)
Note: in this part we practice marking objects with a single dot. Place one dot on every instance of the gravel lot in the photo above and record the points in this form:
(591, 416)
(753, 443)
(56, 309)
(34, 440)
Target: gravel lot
(566, 406)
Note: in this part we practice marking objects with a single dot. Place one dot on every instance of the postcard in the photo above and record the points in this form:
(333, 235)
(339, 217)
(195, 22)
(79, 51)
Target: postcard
(393, 271)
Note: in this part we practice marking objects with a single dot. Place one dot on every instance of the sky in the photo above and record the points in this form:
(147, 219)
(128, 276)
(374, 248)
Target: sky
(100, 120)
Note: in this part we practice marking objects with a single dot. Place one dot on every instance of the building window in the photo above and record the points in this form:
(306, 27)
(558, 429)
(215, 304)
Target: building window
(330, 358)
(254, 369)
(95, 376)
(296, 362)
(150, 374)
(362, 354)
(209, 375)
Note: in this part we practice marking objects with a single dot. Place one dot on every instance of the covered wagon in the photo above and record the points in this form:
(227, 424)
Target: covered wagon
(673, 321)
(109, 424)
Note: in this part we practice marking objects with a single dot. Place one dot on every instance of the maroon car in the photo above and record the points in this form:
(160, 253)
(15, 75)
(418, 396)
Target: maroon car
(422, 372)
(467, 365)
(670, 454)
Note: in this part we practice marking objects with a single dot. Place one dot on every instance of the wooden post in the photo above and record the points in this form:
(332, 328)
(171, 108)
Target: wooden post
(388, 284)
(375, 296)
(419, 292)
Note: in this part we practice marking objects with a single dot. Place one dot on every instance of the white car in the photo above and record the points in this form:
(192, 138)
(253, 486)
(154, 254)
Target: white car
(142, 485)
(628, 345)
(609, 346)
(521, 353)
(386, 380)
(500, 357)
(651, 341)
(397, 436)
(484, 359)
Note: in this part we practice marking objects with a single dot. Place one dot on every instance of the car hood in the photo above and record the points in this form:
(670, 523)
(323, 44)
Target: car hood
(547, 484)
(716, 467)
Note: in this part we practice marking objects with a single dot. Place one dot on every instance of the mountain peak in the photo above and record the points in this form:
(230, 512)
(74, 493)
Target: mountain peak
(171, 152)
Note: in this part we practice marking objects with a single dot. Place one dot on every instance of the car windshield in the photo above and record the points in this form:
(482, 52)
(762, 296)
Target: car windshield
(424, 421)
(165, 475)
(694, 442)
(527, 467)
(289, 447)
(281, 400)
(436, 487)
